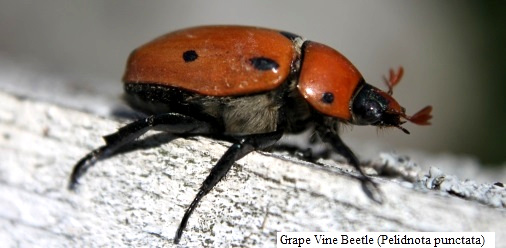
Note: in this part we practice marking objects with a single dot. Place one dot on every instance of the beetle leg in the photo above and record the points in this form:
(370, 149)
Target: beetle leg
(370, 188)
(243, 146)
(169, 122)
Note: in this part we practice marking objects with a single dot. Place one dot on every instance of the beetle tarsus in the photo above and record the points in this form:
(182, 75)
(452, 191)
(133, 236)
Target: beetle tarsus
(370, 188)
(245, 145)
(84, 164)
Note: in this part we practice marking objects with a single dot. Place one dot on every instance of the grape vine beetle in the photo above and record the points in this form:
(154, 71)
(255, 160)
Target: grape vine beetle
(249, 86)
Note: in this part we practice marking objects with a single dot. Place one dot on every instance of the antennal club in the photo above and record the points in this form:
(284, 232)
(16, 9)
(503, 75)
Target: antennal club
(421, 117)
(393, 79)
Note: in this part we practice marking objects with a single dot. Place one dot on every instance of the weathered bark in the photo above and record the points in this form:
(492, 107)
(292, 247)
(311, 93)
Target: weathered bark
(137, 198)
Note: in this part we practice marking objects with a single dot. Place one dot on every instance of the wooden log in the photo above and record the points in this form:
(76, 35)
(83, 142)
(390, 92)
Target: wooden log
(137, 198)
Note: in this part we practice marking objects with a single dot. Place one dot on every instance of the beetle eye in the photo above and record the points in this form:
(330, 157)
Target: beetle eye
(369, 112)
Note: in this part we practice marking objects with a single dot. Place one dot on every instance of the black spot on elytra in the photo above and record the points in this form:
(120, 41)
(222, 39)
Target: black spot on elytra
(263, 63)
(327, 97)
(190, 56)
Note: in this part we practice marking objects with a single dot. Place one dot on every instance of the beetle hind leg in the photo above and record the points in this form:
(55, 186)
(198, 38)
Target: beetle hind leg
(169, 122)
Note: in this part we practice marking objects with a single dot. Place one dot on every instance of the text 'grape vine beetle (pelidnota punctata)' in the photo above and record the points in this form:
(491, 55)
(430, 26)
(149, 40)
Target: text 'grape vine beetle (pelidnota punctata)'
(249, 86)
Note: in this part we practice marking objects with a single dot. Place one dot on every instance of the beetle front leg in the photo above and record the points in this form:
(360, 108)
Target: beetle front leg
(243, 146)
(169, 122)
(371, 189)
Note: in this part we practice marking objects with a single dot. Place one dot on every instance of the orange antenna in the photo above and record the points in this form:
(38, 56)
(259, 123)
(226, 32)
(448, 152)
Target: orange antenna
(393, 79)
(421, 117)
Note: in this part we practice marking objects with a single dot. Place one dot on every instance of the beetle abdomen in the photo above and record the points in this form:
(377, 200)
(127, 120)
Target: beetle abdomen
(256, 113)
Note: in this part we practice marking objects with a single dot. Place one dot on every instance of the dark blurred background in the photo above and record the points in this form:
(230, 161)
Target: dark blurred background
(453, 53)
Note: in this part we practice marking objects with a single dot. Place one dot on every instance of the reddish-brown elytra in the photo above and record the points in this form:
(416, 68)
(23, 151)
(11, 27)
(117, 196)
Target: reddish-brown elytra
(214, 61)
(249, 86)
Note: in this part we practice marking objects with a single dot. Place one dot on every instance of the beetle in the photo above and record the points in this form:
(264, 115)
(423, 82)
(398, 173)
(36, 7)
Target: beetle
(248, 86)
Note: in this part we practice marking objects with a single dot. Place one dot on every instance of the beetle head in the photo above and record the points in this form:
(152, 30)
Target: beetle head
(372, 106)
